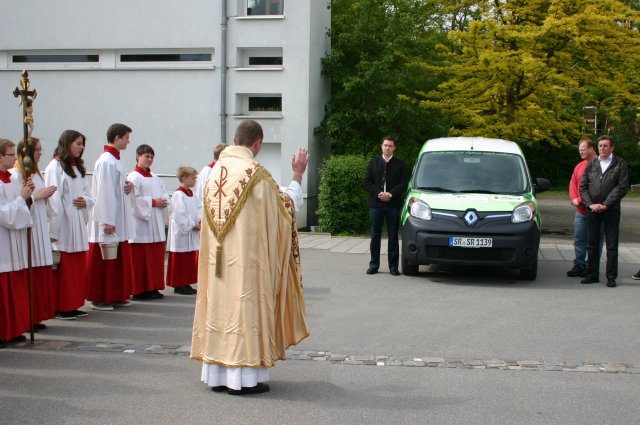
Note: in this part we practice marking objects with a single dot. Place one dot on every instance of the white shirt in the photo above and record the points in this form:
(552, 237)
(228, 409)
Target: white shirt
(604, 163)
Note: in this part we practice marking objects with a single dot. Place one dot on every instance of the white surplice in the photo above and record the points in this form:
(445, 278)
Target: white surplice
(149, 221)
(40, 238)
(111, 205)
(198, 191)
(15, 217)
(68, 224)
(184, 216)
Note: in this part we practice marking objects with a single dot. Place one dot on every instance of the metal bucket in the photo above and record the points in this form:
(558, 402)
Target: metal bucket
(56, 259)
(109, 250)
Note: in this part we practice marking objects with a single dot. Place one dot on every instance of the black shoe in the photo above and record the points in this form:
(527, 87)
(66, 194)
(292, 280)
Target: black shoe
(590, 280)
(611, 283)
(39, 327)
(577, 272)
(260, 388)
(184, 290)
(3, 344)
(19, 338)
(219, 389)
(371, 270)
(66, 315)
(145, 296)
(159, 296)
(394, 272)
(79, 313)
(636, 276)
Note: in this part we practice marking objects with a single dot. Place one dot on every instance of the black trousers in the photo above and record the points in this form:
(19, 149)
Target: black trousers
(610, 219)
(378, 215)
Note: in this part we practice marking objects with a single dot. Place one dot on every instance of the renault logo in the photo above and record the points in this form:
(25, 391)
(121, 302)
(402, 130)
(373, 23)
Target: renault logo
(471, 218)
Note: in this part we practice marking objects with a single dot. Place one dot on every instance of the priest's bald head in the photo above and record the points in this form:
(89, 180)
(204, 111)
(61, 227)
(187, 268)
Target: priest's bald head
(249, 134)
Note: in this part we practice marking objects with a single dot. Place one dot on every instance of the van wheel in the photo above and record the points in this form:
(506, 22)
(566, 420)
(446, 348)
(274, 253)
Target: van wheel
(408, 268)
(530, 273)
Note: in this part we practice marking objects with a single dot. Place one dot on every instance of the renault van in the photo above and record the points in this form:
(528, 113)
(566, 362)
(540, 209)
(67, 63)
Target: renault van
(471, 201)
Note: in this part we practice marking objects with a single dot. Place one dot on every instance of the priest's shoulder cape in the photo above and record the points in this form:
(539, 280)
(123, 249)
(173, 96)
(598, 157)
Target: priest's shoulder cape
(250, 305)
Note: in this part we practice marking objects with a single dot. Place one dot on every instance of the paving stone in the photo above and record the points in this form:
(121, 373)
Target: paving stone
(613, 368)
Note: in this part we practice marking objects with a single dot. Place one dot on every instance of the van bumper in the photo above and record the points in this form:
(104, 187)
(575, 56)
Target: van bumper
(514, 245)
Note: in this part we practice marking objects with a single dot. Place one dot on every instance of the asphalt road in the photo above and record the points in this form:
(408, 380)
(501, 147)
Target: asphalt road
(478, 316)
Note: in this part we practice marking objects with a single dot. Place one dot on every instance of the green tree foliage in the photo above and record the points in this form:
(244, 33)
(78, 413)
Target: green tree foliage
(342, 202)
(374, 45)
(525, 70)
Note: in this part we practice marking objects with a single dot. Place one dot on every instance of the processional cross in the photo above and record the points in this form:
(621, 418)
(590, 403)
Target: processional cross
(26, 101)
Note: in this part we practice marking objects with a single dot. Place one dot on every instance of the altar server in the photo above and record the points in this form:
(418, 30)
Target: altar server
(15, 218)
(184, 235)
(109, 280)
(149, 215)
(44, 294)
(68, 225)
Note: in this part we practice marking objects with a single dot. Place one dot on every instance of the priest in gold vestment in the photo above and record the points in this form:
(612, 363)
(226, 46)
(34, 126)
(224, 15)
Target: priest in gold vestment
(250, 305)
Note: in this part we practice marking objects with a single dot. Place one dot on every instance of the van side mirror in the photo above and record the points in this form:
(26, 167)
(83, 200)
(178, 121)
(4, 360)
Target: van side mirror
(542, 185)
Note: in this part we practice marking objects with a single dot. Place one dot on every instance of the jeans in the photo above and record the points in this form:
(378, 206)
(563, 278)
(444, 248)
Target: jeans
(378, 215)
(580, 240)
(611, 221)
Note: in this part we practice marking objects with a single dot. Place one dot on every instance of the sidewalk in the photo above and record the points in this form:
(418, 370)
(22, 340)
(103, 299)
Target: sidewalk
(551, 249)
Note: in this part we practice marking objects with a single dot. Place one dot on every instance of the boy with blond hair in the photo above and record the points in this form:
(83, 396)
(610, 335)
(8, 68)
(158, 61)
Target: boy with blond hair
(184, 235)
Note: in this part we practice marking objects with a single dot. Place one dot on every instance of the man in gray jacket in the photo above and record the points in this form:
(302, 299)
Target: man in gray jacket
(603, 185)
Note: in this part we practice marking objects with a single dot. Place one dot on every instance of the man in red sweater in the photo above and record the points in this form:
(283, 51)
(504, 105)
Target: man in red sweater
(587, 150)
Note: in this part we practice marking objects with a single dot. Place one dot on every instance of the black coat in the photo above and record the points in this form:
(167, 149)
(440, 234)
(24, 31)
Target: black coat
(605, 188)
(394, 173)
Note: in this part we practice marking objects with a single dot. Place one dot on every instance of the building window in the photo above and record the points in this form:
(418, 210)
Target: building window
(265, 60)
(265, 104)
(265, 7)
(56, 58)
(166, 57)
(251, 58)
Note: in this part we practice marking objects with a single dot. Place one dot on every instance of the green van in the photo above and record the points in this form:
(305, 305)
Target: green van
(470, 201)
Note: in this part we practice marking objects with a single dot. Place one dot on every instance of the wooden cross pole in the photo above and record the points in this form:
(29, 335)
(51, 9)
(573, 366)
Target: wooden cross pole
(26, 101)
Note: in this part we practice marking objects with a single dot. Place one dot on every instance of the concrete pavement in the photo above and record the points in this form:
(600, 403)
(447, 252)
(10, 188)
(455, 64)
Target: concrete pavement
(449, 346)
(551, 249)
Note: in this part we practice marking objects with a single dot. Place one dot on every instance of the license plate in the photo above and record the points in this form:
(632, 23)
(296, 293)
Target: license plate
(470, 242)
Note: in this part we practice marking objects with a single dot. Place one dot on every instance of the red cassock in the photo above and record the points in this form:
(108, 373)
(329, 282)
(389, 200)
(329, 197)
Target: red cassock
(108, 281)
(14, 304)
(44, 294)
(71, 278)
(147, 266)
(182, 268)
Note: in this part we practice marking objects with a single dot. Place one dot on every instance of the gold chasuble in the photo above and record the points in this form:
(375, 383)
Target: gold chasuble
(250, 306)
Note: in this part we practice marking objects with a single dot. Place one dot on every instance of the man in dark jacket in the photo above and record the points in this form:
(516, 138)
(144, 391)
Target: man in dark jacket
(386, 181)
(603, 185)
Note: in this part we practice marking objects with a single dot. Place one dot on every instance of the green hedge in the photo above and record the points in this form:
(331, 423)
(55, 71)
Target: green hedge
(342, 201)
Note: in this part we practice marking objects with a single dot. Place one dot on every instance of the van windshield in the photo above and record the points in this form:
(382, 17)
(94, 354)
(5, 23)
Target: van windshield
(471, 172)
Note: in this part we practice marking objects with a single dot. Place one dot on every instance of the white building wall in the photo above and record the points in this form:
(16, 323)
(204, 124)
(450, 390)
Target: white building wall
(173, 107)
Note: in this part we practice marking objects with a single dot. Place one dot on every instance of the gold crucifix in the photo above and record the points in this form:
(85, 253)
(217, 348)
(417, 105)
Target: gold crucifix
(26, 101)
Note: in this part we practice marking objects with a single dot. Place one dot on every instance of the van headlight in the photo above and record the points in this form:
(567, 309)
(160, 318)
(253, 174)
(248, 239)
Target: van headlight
(419, 209)
(523, 212)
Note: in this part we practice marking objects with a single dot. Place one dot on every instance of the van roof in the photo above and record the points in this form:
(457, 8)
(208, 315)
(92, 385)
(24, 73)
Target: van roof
(481, 144)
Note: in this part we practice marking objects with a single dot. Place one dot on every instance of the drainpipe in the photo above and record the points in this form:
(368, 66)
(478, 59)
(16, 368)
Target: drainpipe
(223, 72)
